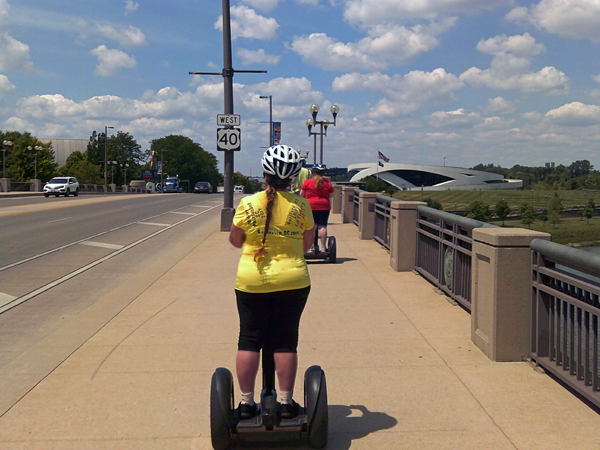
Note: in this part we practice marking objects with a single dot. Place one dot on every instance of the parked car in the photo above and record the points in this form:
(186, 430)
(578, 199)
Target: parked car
(239, 190)
(61, 186)
(203, 187)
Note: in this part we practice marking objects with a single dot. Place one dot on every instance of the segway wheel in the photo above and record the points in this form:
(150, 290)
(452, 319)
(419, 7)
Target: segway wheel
(332, 248)
(221, 409)
(315, 400)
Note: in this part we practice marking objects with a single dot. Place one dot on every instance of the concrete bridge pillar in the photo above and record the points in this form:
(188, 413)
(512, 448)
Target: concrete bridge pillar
(403, 235)
(347, 209)
(336, 200)
(501, 291)
(366, 215)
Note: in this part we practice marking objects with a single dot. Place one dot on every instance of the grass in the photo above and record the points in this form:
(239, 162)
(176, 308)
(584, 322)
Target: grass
(570, 231)
(458, 200)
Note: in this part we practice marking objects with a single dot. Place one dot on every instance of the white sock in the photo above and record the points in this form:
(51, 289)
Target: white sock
(286, 396)
(248, 398)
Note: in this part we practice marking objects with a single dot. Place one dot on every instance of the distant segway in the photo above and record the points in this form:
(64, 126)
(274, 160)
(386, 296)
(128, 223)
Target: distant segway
(226, 427)
(330, 253)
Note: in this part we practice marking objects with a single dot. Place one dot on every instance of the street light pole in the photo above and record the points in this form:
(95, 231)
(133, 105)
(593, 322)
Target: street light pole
(270, 118)
(314, 110)
(37, 148)
(5, 146)
(105, 153)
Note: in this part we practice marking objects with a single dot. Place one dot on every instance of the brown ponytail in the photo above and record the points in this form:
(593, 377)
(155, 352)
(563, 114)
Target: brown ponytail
(318, 180)
(272, 185)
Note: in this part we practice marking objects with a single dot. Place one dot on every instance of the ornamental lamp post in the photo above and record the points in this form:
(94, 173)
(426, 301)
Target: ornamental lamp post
(125, 167)
(37, 149)
(5, 147)
(105, 153)
(314, 110)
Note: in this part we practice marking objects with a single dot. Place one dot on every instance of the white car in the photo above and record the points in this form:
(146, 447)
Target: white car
(61, 186)
(239, 190)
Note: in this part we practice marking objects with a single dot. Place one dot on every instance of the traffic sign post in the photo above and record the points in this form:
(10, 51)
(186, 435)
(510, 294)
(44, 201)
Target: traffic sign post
(229, 139)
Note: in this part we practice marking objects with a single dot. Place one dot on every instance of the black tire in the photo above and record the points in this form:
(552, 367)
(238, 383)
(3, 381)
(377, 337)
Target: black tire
(46, 195)
(221, 409)
(76, 192)
(315, 401)
(56, 195)
(67, 193)
(332, 248)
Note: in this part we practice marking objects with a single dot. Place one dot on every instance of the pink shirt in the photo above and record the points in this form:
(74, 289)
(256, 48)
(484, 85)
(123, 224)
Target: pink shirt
(318, 198)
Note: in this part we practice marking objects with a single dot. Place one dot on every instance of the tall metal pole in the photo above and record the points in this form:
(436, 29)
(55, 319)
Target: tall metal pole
(321, 150)
(227, 212)
(271, 143)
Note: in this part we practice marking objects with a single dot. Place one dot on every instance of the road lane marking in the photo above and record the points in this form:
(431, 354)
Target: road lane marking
(126, 207)
(6, 298)
(60, 220)
(181, 212)
(102, 244)
(154, 223)
(17, 301)
(39, 255)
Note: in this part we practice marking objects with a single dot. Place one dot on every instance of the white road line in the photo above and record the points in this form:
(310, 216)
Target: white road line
(5, 298)
(102, 244)
(17, 301)
(154, 223)
(126, 207)
(199, 206)
(60, 220)
(181, 212)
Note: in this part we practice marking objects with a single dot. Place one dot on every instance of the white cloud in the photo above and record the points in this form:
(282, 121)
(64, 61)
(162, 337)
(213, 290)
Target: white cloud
(131, 6)
(262, 5)
(6, 87)
(256, 57)
(110, 62)
(578, 19)
(289, 91)
(500, 105)
(509, 69)
(4, 8)
(247, 24)
(384, 45)
(458, 119)
(596, 78)
(17, 123)
(404, 94)
(131, 36)
(14, 55)
(376, 11)
(575, 114)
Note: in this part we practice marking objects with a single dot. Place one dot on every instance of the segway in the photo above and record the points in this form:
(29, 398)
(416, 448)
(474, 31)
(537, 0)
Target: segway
(330, 252)
(226, 427)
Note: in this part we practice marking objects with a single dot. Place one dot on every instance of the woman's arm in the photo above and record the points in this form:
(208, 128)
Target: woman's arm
(302, 193)
(309, 238)
(237, 236)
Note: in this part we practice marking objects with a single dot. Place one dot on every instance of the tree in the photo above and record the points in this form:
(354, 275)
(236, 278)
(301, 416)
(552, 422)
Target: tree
(502, 210)
(555, 210)
(374, 184)
(431, 203)
(78, 166)
(527, 214)
(588, 212)
(187, 159)
(478, 210)
(21, 163)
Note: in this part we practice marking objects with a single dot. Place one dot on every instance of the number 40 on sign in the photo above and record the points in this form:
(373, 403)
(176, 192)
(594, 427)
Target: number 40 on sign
(228, 139)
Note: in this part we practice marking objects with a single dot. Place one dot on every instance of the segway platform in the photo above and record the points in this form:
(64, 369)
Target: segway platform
(330, 253)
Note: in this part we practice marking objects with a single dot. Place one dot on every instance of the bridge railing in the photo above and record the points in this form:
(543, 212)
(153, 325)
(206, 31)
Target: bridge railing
(565, 310)
(444, 244)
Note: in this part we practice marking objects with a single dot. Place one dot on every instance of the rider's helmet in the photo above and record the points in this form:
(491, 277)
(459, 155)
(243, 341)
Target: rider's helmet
(282, 161)
(318, 168)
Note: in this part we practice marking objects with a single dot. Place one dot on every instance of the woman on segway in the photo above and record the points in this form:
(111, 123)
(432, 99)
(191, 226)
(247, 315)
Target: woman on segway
(317, 190)
(274, 228)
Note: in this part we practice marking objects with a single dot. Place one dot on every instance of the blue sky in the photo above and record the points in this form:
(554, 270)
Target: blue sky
(496, 81)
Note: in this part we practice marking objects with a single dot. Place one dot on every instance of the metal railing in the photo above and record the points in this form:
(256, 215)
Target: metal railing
(356, 208)
(565, 308)
(383, 219)
(444, 244)
(21, 186)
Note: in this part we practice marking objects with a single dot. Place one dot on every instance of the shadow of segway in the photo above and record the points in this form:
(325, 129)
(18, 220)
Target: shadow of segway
(346, 424)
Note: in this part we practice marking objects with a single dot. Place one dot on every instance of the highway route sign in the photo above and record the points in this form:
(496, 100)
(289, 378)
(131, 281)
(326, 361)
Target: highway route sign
(229, 139)
(232, 120)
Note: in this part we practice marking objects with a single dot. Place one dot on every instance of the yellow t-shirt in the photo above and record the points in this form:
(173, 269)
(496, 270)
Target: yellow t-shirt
(304, 175)
(283, 268)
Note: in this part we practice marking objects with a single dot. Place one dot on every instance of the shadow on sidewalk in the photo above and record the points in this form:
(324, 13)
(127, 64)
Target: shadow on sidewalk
(346, 424)
(324, 261)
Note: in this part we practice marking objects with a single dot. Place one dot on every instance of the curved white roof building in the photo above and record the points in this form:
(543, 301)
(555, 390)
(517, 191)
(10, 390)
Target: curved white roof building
(432, 178)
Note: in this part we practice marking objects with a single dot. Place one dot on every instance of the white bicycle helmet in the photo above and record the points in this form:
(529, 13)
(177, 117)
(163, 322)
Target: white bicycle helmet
(282, 161)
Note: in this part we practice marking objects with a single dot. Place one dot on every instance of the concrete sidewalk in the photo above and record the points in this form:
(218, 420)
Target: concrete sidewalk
(401, 369)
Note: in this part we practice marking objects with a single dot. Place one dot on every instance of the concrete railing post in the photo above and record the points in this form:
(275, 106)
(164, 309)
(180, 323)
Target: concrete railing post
(347, 204)
(336, 200)
(112, 187)
(403, 235)
(36, 185)
(366, 215)
(4, 184)
(501, 291)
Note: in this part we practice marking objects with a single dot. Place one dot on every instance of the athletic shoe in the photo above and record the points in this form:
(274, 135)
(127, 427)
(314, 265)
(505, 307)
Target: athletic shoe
(288, 411)
(323, 249)
(247, 411)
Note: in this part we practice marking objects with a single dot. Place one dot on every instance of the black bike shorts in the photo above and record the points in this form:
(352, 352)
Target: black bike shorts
(321, 217)
(275, 315)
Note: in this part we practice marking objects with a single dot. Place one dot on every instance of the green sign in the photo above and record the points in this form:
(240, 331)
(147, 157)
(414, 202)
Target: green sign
(149, 173)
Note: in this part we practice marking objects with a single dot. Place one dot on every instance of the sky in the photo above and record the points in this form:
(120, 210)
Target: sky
(455, 82)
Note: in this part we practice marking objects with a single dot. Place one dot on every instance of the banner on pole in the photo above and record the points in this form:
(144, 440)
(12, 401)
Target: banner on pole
(276, 133)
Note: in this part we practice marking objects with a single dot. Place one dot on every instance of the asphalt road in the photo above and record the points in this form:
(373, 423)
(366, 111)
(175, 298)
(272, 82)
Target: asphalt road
(67, 258)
